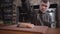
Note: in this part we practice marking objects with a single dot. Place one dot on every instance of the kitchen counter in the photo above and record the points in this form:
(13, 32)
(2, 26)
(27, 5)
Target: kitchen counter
(13, 29)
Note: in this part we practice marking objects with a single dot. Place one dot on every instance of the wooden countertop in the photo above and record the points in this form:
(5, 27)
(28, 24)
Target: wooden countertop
(40, 29)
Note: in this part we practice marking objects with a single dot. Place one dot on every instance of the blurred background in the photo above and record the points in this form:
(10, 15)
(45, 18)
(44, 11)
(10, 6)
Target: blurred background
(14, 11)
